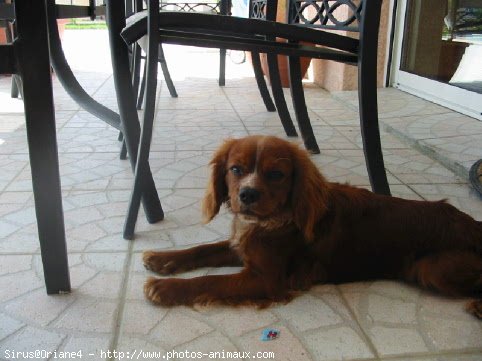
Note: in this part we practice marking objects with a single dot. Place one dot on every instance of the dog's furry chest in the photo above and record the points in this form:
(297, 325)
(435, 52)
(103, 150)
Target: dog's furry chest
(249, 236)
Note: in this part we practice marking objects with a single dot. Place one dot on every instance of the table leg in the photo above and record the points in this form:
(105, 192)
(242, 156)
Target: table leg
(34, 68)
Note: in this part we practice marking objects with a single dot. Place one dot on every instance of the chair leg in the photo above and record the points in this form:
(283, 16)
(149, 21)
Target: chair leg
(140, 97)
(115, 16)
(141, 174)
(372, 148)
(14, 88)
(123, 151)
(136, 67)
(165, 73)
(299, 103)
(279, 97)
(263, 88)
(222, 67)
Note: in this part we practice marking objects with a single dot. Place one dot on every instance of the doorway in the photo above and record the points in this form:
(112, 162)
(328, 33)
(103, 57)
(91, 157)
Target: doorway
(438, 52)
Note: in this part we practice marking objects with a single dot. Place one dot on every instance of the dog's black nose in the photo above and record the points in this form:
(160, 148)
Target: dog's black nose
(249, 195)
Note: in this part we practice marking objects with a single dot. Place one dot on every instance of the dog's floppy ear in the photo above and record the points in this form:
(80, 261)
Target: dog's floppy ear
(309, 193)
(217, 190)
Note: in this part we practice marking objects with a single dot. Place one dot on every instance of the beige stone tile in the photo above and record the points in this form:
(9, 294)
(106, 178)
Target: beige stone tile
(140, 317)
(450, 357)
(286, 347)
(340, 343)
(9, 325)
(397, 341)
(38, 307)
(327, 137)
(91, 348)
(462, 196)
(88, 315)
(389, 141)
(30, 339)
(403, 320)
(307, 313)
(411, 167)
(238, 321)
(212, 346)
(177, 328)
(447, 124)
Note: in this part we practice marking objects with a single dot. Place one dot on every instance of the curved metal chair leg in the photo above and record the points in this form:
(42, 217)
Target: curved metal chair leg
(127, 108)
(136, 67)
(165, 73)
(222, 67)
(14, 88)
(279, 97)
(123, 151)
(367, 94)
(140, 97)
(142, 165)
(299, 103)
(263, 88)
(367, 98)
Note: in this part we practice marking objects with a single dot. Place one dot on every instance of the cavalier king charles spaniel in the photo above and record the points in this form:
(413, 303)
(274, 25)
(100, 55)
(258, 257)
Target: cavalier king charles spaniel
(293, 229)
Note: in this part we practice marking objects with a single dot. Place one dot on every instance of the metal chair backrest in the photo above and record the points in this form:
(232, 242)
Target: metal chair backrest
(343, 15)
(263, 9)
(216, 7)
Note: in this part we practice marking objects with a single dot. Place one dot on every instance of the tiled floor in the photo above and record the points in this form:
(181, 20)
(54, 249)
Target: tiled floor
(106, 310)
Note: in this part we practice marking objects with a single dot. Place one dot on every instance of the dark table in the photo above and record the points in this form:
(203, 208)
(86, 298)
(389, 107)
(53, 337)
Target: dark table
(28, 57)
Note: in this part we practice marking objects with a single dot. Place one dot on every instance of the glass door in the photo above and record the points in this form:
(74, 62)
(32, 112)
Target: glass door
(438, 52)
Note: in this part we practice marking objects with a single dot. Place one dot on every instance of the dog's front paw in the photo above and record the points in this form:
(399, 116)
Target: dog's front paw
(475, 307)
(160, 262)
(166, 292)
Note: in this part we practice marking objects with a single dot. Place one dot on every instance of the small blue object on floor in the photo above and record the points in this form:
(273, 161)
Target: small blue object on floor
(269, 334)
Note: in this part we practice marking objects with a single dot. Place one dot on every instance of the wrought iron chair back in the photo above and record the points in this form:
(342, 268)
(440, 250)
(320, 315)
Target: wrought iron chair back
(259, 9)
(325, 14)
(215, 7)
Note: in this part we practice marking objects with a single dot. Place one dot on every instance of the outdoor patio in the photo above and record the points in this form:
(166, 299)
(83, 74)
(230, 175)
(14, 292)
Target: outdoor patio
(106, 309)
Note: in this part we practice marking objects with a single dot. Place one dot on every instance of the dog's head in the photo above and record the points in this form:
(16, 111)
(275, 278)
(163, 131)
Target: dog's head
(263, 177)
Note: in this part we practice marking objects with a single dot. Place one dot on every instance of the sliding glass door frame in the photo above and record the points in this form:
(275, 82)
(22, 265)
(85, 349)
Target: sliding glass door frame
(458, 99)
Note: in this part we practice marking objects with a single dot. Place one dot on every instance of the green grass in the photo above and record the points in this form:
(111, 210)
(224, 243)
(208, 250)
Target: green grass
(78, 25)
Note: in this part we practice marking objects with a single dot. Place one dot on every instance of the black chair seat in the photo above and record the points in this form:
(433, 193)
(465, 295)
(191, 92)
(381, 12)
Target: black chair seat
(238, 34)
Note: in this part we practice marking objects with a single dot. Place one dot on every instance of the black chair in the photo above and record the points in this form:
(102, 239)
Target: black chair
(257, 10)
(220, 7)
(216, 31)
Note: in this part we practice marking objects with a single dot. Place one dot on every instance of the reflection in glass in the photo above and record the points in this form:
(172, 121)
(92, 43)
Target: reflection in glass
(443, 41)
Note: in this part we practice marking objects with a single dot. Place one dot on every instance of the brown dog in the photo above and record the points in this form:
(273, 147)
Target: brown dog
(293, 229)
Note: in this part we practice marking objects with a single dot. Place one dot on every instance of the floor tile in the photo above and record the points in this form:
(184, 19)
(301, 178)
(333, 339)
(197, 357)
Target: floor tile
(327, 137)
(411, 167)
(82, 320)
(193, 137)
(400, 319)
(462, 196)
(443, 125)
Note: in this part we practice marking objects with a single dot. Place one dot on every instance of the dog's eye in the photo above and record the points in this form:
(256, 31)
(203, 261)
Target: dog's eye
(274, 175)
(236, 170)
